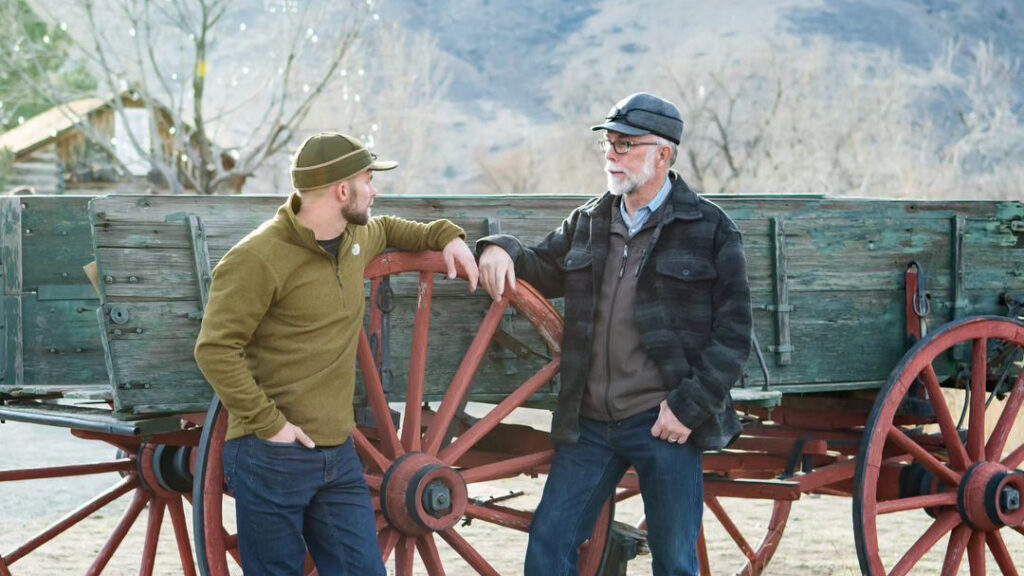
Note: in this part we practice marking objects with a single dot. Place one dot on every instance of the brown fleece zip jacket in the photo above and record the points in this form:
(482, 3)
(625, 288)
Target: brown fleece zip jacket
(280, 331)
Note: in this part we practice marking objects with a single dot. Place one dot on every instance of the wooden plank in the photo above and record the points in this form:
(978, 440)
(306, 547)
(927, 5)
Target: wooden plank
(61, 342)
(10, 260)
(56, 241)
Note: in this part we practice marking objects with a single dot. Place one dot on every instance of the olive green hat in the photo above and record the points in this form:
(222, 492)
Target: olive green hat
(330, 157)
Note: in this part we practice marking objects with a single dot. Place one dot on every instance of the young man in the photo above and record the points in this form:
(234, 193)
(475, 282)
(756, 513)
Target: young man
(278, 344)
(657, 329)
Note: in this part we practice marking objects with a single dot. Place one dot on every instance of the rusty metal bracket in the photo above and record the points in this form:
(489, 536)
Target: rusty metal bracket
(783, 347)
(958, 303)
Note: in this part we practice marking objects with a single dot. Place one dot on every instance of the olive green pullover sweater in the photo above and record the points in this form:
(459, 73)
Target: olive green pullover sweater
(280, 332)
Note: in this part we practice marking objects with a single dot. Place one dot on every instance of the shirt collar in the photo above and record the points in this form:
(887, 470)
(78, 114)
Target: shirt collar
(644, 211)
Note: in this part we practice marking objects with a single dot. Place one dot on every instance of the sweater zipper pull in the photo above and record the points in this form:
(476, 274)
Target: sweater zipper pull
(643, 255)
(625, 254)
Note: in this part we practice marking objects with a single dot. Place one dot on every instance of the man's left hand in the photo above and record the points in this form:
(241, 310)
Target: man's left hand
(668, 427)
(456, 251)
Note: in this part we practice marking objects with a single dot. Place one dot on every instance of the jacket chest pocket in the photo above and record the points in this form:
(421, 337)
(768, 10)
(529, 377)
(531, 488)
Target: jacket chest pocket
(685, 287)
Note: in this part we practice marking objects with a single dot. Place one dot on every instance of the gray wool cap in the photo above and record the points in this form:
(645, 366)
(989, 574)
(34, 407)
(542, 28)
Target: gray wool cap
(643, 113)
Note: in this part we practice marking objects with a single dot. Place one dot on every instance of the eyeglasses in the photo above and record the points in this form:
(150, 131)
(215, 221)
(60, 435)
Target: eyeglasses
(621, 146)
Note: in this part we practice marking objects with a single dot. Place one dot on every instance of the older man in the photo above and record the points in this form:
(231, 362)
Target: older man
(657, 330)
(278, 344)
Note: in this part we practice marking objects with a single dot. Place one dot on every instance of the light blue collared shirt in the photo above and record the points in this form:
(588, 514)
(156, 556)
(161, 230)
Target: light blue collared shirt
(637, 222)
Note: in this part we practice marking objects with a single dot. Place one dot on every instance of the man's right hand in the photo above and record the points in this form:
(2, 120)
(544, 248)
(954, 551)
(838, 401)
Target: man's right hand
(291, 434)
(496, 267)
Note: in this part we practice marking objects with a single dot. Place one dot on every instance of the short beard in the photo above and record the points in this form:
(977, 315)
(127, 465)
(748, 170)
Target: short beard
(357, 218)
(633, 182)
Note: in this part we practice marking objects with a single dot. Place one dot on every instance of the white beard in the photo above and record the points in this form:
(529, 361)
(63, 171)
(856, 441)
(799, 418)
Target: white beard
(632, 182)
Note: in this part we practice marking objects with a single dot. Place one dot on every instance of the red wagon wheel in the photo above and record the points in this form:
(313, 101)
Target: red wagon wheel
(155, 472)
(724, 548)
(421, 476)
(961, 480)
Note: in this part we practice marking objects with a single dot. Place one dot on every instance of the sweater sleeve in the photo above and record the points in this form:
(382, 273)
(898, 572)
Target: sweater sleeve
(241, 293)
(394, 232)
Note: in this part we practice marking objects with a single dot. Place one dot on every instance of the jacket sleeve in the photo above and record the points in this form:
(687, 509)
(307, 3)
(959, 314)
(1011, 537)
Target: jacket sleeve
(706, 391)
(541, 265)
(241, 293)
(394, 232)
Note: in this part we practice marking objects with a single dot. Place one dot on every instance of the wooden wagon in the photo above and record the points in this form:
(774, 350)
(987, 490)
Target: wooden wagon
(884, 330)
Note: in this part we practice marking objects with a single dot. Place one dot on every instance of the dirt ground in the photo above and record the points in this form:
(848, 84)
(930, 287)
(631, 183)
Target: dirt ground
(818, 541)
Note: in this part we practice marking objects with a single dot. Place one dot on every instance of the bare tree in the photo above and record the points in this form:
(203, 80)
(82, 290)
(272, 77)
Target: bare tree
(226, 84)
(812, 117)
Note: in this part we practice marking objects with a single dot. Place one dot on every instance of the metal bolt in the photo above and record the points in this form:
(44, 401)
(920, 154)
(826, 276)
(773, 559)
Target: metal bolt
(63, 274)
(63, 232)
(79, 350)
(117, 332)
(437, 499)
(1009, 499)
(53, 350)
(108, 279)
(133, 279)
(138, 330)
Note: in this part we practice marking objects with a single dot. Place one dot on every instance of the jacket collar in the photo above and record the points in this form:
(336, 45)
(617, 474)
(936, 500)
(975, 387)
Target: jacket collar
(287, 215)
(682, 203)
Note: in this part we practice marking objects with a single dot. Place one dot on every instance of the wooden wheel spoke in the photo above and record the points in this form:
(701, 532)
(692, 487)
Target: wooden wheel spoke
(730, 527)
(937, 530)
(387, 539)
(979, 372)
(378, 402)
(976, 553)
(117, 536)
(368, 452)
(470, 437)
(1014, 459)
(153, 523)
(460, 384)
(917, 502)
(120, 489)
(997, 441)
(381, 521)
(428, 552)
(947, 475)
(412, 423)
(957, 453)
(178, 523)
(502, 516)
(404, 554)
(997, 546)
(373, 482)
(955, 550)
(468, 553)
(507, 468)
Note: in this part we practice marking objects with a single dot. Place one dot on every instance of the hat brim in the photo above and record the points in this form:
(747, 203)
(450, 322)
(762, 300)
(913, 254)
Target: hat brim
(381, 165)
(621, 128)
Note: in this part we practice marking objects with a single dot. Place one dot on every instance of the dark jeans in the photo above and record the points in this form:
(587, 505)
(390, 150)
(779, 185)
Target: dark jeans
(584, 475)
(289, 498)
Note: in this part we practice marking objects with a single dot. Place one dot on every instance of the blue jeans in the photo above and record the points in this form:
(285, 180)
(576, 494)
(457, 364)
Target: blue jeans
(584, 475)
(289, 498)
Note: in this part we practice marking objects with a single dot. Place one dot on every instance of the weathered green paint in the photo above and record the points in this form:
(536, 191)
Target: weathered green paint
(844, 276)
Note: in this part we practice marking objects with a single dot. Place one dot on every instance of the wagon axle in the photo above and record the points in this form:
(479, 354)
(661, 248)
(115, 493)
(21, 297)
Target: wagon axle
(419, 494)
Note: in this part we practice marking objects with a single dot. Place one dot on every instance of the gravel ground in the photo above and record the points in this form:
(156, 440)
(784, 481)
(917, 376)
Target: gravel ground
(818, 540)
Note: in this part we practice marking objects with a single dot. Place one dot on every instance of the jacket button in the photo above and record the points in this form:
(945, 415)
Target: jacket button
(569, 261)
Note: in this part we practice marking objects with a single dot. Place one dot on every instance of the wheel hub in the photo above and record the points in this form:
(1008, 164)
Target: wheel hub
(419, 495)
(990, 496)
